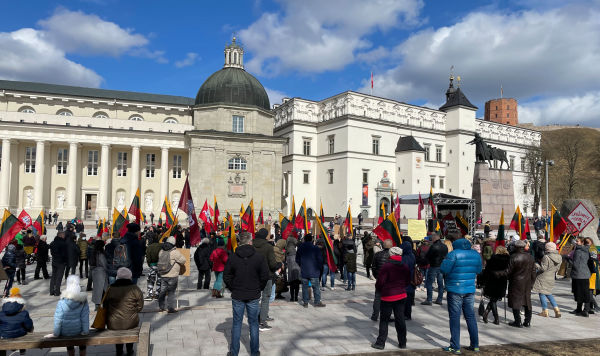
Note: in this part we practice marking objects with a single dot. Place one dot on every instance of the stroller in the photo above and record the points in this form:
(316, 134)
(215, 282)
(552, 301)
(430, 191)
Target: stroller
(30, 254)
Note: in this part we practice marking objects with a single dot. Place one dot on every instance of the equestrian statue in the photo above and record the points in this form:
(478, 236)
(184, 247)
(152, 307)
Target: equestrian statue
(485, 152)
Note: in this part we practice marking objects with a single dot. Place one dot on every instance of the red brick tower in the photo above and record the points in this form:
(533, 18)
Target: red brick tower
(502, 110)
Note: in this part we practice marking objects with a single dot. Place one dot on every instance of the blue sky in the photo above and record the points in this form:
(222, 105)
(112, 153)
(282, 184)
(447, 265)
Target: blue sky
(543, 53)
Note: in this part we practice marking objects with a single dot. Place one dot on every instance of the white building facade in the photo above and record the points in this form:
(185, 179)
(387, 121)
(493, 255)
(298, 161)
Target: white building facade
(356, 149)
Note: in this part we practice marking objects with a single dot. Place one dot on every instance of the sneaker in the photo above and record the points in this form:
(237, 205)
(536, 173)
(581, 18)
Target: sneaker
(438, 302)
(161, 310)
(377, 346)
(451, 350)
(332, 288)
(305, 305)
(426, 303)
(471, 348)
(269, 319)
(172, 311)
(319, 305)
(264, 327)
(373, 318)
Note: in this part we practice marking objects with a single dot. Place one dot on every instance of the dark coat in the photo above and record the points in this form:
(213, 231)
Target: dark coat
(349, 244)
(136, 253)
(350, 261)
(495, 287)
(310, 260)
(265, 248)
(202, 257)
(72, 252)
(42, 251)
(124, 300)
(580, 270)
(9, 260)
(521, 276)
(379, 260)
(14, 320)
(293, 269)
(394, 277)
(409, 259)
(20, 257)
(539, 249)
(436, 253)
(246, 273)
(109, 251)
(58, 250)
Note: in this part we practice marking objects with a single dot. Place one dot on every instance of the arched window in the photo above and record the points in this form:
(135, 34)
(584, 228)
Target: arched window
(27, 110)
(170, 120)
(100, 115)
(136, 118)
(237, 163)
(64, 112)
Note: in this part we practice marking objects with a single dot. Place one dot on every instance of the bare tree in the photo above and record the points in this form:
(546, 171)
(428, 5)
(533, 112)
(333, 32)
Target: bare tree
(570, 152)
(535, 175)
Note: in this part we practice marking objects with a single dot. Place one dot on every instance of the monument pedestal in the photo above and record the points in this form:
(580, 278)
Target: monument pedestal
(493, 191)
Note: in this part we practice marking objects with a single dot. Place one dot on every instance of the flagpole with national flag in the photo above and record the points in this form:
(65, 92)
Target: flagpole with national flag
(10, 226)
(348, 222)
(186, 203)
(216, 212)
(134, 209)
(371, 82)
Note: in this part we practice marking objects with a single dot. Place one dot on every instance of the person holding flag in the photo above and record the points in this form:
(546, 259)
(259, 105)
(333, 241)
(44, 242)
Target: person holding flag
(186, 204)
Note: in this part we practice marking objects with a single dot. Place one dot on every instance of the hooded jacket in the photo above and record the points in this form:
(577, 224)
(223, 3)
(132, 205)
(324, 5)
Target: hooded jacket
(124, 300)
(9, 259)
(177, 260)
(461, 267)
(72, 315)
(293, 269)
(246, 273)
(58, 250)
(544, 282)
(393, 278)
(310, 260)
(580, 270)
(410, 260)
(219, 258)
(436, 253)
(202, 257)
(14, 319)
(265, 248)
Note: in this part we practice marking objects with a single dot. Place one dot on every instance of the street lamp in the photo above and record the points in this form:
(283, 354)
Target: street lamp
(546, 163)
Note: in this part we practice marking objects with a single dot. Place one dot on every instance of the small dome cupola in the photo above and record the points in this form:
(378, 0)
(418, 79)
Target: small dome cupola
(234, 55)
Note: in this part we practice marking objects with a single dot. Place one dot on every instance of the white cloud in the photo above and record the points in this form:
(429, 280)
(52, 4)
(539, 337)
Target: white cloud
(189, 60)
(77, 32)
(275, 96)
(548, 53)
(316, 35)
(27, 56)
(572, 110)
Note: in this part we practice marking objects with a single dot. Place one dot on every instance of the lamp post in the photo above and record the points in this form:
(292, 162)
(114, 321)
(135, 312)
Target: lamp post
(546, 163)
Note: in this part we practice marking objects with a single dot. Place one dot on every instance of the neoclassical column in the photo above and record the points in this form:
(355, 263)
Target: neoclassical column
(38, 191)
(72, 169)
(164, 173)
(135, 169)
(5, 174)
(104, 174)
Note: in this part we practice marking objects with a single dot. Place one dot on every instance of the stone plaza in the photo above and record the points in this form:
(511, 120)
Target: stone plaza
(203, 324)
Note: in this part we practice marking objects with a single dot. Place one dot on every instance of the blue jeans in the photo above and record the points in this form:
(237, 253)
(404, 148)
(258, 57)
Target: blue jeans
(316, 290)
(545, 303)
(252, 309)
(351, 279)
(272, 298)
(327, 271)
(434, 273)
(456, 303)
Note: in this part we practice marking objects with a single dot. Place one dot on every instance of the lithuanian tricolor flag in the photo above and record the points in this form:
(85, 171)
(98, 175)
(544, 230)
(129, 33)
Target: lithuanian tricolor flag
(134, 209)
(293, 214)
(331, 260)
(517, 223)
(302, 218)
(119, 223)
(216, 214)
(9, 228)
(348, 221)
(388, 229)
(558, 225)
(100, 228)
(382, 213)
(168, 210)
(231, 241)
(248, 219)
(39, 224)
(500, 238)
(463, 225)
(285, 226)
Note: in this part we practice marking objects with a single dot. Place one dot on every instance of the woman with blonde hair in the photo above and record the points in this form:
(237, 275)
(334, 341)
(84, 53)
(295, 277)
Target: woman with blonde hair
(544, 282)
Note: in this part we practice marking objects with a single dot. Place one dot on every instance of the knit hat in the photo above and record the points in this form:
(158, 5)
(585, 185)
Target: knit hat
(124, 273)
(262, 233)
(133, 227)
(73, 285)
(15, 293)
(171, 240)
(205, 241)
(550, 246)
(395, 251)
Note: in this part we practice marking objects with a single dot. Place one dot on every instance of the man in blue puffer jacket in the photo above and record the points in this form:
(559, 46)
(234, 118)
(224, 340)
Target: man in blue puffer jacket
(460, 269)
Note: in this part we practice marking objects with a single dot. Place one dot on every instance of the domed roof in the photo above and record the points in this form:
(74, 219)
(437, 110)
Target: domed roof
(232, 85)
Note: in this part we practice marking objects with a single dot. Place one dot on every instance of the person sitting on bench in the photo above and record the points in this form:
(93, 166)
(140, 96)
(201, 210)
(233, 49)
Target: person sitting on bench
(72, 315)
(14, 319)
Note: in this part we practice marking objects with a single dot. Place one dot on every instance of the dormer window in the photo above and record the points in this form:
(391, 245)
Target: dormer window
(64, 112)
(27, 110)
(136, 118)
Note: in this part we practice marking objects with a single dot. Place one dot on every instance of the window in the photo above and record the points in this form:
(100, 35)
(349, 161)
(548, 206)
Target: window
(305, 176)
(238, 124)
(237, 163)
(376, 146)
(64, 112)
(150, 165)
(306, 148)
(441, 182)
(496, 116)
(62, 162)
(427, 148)
(432, 181)
(27, 110)
(331, 144)
(365, 177)
(522, 164)
(511, 163)
(122, 164)
(438, 153)
(507, 115)
(100, 115)
(92, 165)
(136, 118)
(507, 107)
(524, 188)
(330, 176)
(496, 107)
(29, 159)
(171, 120)
(177, 166)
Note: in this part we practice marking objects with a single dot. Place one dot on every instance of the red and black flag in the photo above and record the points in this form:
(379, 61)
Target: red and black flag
(9, 228)
(331, 259)
(134, 209)
(388, 230)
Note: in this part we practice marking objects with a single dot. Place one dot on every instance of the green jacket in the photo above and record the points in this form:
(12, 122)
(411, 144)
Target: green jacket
(152, 252)
(83, 246)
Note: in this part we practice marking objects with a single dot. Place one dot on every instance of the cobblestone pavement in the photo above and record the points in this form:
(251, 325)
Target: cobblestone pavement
(203, 326)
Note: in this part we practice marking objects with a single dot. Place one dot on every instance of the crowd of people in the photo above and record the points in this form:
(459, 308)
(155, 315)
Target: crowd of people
(266, 267)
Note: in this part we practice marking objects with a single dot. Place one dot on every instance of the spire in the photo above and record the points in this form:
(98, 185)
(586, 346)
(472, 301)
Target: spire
(454, 96)
(234, 55)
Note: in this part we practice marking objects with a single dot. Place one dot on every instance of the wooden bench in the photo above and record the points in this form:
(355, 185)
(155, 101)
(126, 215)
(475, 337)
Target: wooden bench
(36, 340)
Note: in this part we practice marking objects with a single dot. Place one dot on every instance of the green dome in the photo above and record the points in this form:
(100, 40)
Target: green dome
(233, 86)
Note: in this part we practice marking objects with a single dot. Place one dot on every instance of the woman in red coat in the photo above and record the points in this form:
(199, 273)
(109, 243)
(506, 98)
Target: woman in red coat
(392, 280)
(218, 258)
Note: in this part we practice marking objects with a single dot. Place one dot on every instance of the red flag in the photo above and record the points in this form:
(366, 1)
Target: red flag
(397, 208)
(527, 229)
(248, 219)
(186, 203)
(420, 207)
(25, 219)
(371, 80)
(261, 219)
(206, 217)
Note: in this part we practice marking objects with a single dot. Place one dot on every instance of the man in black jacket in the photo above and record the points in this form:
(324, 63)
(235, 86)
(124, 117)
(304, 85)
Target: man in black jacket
(246, 275)
(202, 259)
(42, 259)
(135, 250)
(265, 248)
(435, 255)
(379, 260)
(58, 250)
